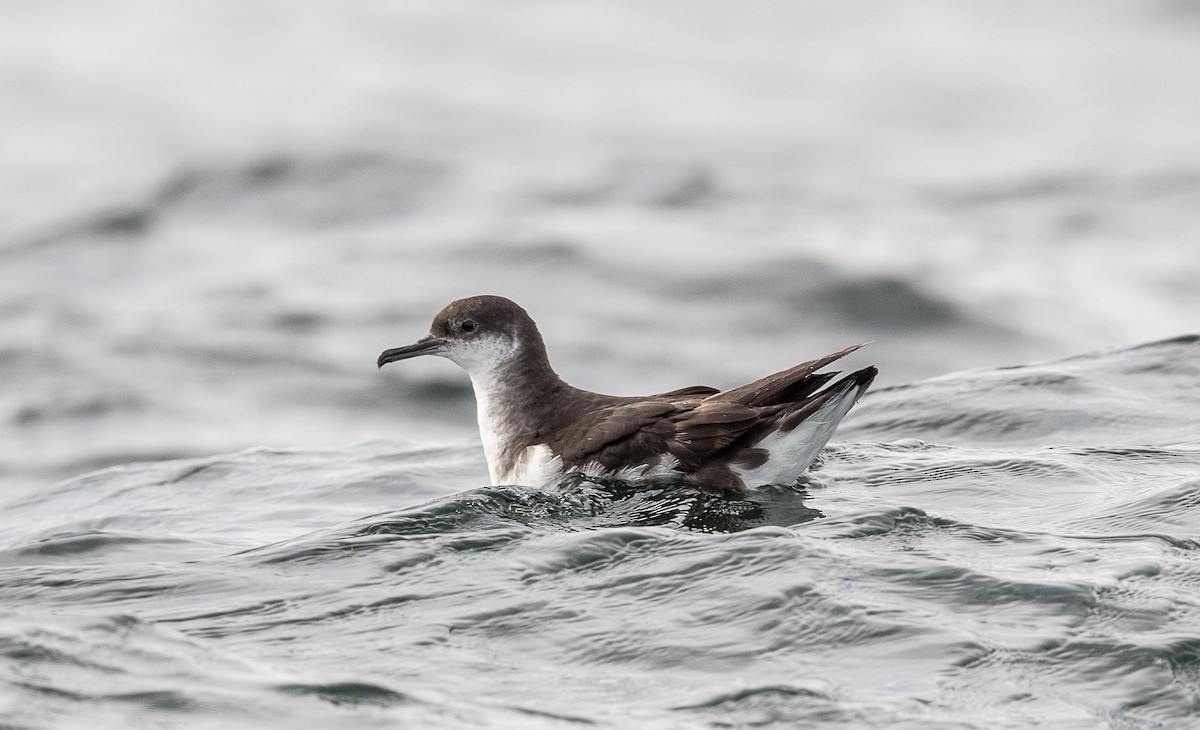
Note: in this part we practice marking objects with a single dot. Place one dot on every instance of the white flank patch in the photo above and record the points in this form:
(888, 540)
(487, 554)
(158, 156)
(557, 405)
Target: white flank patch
(792, 452)
(538, 467)
(668, 466)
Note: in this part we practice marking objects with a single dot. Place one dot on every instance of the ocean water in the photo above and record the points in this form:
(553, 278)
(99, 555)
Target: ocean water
(1004, 548)
(216, 512)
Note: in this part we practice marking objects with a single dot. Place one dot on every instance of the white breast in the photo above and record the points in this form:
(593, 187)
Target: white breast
(489, 431)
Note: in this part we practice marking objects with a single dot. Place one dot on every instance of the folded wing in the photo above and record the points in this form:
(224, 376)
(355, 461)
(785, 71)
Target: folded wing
(707, 431)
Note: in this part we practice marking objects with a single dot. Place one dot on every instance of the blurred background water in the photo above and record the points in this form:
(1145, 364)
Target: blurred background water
(214, 216)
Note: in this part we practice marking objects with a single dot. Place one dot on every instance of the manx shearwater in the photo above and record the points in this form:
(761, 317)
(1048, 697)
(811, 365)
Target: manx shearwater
(535, 427)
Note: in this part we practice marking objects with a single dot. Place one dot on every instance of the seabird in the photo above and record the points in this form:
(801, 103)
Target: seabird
(536, 428)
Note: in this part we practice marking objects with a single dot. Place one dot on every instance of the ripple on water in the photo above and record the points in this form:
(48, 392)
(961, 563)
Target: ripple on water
(905, 583)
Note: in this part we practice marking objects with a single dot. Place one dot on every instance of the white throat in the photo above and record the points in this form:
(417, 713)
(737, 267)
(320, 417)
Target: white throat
(491, 424)
(484, 359)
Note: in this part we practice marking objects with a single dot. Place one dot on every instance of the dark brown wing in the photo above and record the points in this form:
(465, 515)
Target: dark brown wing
(702, 391)
(692, 424)
(787, 386)
(619, 435)
(642, 432)
(712, 425)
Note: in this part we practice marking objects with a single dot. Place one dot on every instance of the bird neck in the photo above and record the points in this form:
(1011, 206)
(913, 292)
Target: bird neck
(515, 403)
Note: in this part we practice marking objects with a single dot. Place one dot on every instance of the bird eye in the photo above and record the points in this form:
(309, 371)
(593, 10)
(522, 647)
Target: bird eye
(468, 326)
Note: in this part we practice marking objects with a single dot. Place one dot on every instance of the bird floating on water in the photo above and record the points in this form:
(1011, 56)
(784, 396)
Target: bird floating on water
(537, 428)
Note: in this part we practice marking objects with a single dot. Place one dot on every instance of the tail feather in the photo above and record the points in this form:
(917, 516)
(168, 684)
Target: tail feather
(804, 432)
(858, 382)
(788, 385)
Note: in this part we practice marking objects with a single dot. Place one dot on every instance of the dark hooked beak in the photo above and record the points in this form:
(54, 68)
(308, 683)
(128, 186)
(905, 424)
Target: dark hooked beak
(425, 346)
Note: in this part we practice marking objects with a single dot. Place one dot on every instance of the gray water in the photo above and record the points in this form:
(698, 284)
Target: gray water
(217, 512)
(1000, 549)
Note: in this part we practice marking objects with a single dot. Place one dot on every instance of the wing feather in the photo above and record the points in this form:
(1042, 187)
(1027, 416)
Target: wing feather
(713, 425)
(624, 433)
(785, 386)
(698, 424)
(691, 390)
